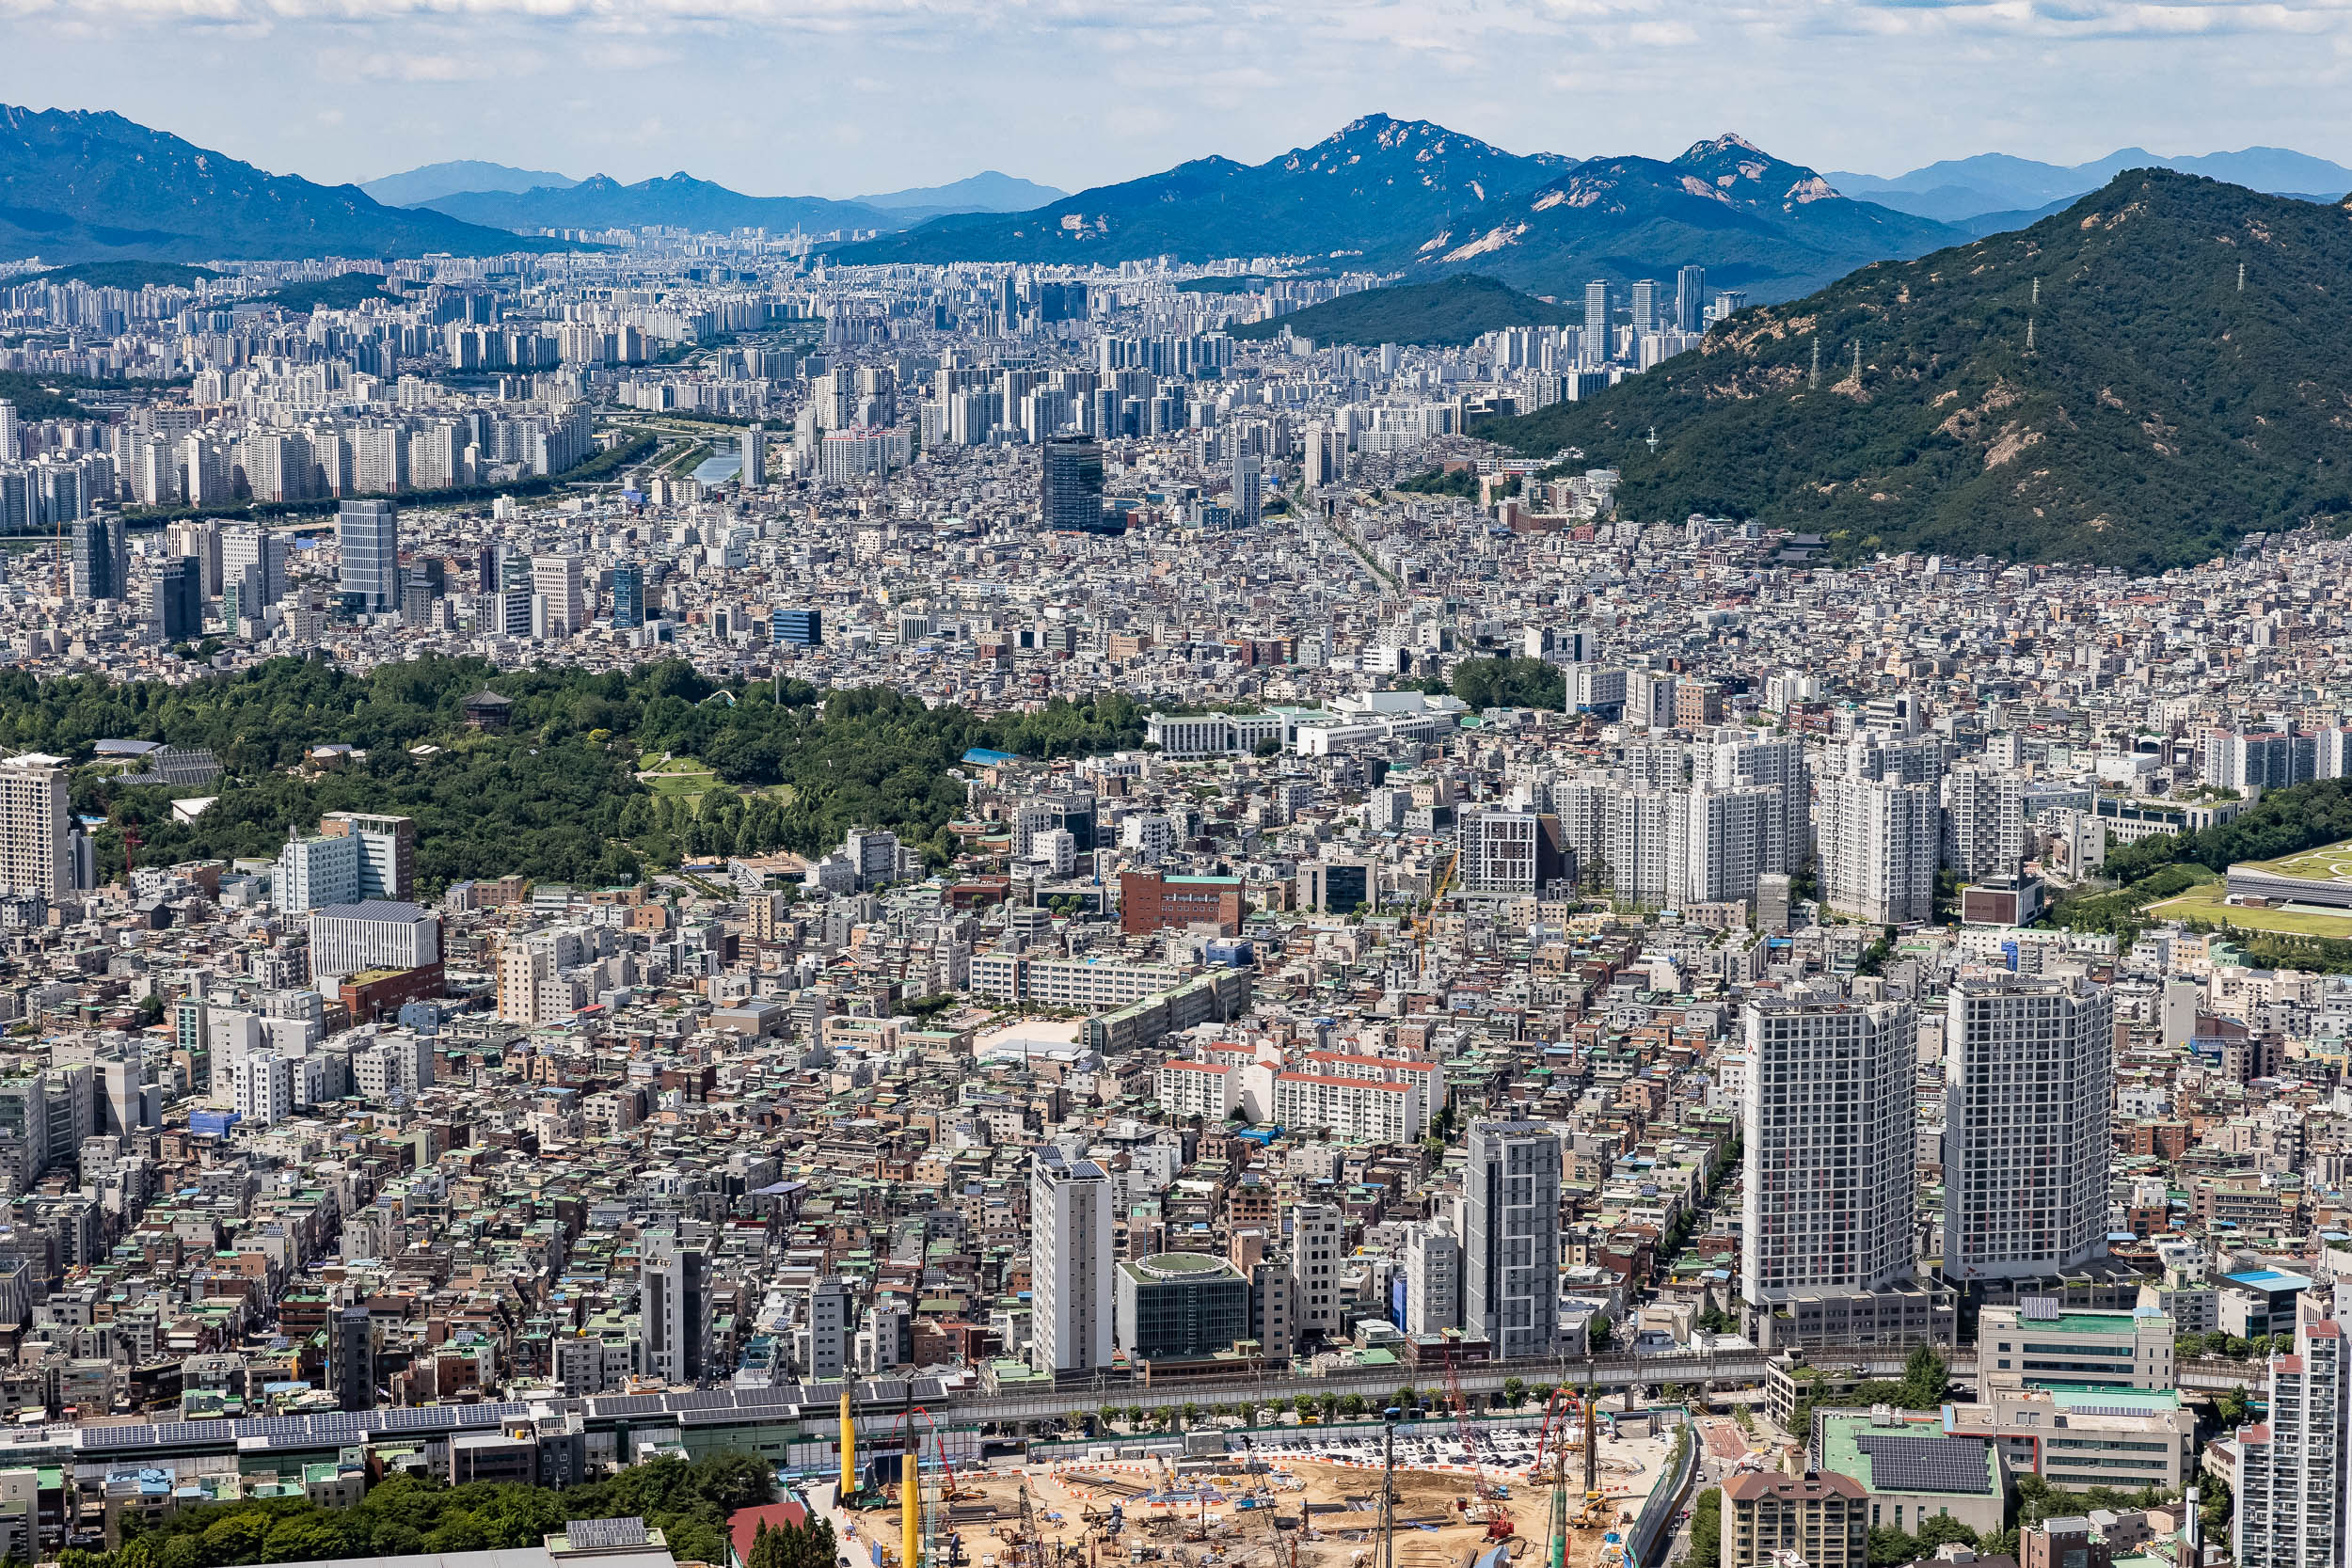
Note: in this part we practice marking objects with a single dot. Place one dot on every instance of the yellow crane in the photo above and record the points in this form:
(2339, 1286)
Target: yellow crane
(1436, 897)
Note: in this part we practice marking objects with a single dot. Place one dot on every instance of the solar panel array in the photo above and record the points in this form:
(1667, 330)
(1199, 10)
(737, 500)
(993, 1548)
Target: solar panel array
(2037, 1310)
(598, 1535)
(1906, 1463)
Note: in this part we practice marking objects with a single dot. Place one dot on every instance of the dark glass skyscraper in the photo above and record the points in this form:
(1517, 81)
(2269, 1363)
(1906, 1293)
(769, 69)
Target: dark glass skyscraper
(629, 595)
(366, 532)
(1070, 487)
(179, 598)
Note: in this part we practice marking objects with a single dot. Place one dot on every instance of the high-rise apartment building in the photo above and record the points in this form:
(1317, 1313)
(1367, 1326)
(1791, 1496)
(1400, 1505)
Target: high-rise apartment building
(2290, 1477)
(1433, 1276)
(1827, 1200)
(1880, 843)
(674, 1308)
(367, 537)
(1248, 490)
(1070, 1219)
(1316, 1231)
(1511, 1237)
(1593, 343)
(1690, 299)
(34, 857)
(2027, 1068)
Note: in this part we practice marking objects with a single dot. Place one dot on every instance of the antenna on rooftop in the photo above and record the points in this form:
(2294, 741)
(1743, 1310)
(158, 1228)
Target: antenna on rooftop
(1815, 378)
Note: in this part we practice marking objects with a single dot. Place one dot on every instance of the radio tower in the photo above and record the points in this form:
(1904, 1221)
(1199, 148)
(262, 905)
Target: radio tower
(1857, 362)
(1813, 379)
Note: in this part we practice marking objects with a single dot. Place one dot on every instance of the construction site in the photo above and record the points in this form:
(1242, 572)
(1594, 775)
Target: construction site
(1555, 1489)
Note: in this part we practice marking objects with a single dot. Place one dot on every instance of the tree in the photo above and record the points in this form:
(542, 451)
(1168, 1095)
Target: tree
(1924, 1380)
(1514, 1391)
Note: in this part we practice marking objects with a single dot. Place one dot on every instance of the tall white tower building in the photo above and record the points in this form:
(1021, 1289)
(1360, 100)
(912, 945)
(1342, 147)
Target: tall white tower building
(2027, 1069)
(1070, 1263)
(1827, 1141)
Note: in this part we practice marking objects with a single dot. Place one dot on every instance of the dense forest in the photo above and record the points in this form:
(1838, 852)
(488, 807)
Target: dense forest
(556, 797)
(2137, 381)
(1457, 311)
(688, 1501)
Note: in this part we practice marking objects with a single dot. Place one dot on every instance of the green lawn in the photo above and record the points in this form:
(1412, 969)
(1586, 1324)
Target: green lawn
(2328, 862)
(2206, 904)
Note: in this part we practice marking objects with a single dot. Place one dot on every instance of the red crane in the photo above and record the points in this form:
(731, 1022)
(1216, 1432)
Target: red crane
(1485, 1491)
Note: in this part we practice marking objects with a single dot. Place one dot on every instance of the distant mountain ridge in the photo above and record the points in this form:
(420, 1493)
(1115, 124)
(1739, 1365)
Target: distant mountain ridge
(1754, 222)
(2099, 387)
(1375, 185)
(677, 201)
(1956, 190)
(413, 187)
(92, 187)
(1385, 194)
(988, 191)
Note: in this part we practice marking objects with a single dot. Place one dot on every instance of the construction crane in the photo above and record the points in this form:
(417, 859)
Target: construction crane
(1484, 1490)
(1436, 897)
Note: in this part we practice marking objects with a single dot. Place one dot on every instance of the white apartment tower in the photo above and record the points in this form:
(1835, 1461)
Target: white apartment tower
(1070, 1219)
(1827, 1141)
(2289, 1480)
(2027, 1069)
(1511, 1237)
(1433, 1276)
(1315, 1232)
(1880, 844)
(32, 828)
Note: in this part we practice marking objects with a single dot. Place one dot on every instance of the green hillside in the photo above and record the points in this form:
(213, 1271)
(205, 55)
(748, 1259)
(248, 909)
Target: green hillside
(123, 275)
(1453, 311)
(2099, 387)
(340, 292)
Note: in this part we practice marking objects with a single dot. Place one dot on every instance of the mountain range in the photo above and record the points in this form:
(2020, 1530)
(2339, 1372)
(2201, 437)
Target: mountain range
(82, 186)
(1957, 190)
(416, 186)
(2139, 381)
(454, 187)
(676, 200)
(1390, 194)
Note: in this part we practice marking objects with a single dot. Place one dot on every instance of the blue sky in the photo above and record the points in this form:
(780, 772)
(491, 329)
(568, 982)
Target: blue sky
(835, 97)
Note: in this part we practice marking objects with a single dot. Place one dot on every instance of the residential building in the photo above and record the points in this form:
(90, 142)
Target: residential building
(1511, 1237)
(1071, 1306)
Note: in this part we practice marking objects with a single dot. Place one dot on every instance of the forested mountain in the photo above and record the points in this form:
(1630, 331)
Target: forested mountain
(78, 186)
(1405, 195)
(2140, 380)
(1377, 186)
(1455, 311)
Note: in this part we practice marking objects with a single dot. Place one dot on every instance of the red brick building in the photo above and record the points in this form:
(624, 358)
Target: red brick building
(1150, 902)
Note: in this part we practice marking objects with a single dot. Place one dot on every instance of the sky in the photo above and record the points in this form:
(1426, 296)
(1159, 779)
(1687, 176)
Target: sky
(839, 97)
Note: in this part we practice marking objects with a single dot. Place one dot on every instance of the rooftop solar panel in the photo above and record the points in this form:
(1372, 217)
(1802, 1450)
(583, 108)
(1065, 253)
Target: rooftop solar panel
(1907, 1463)
(606, 1534)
